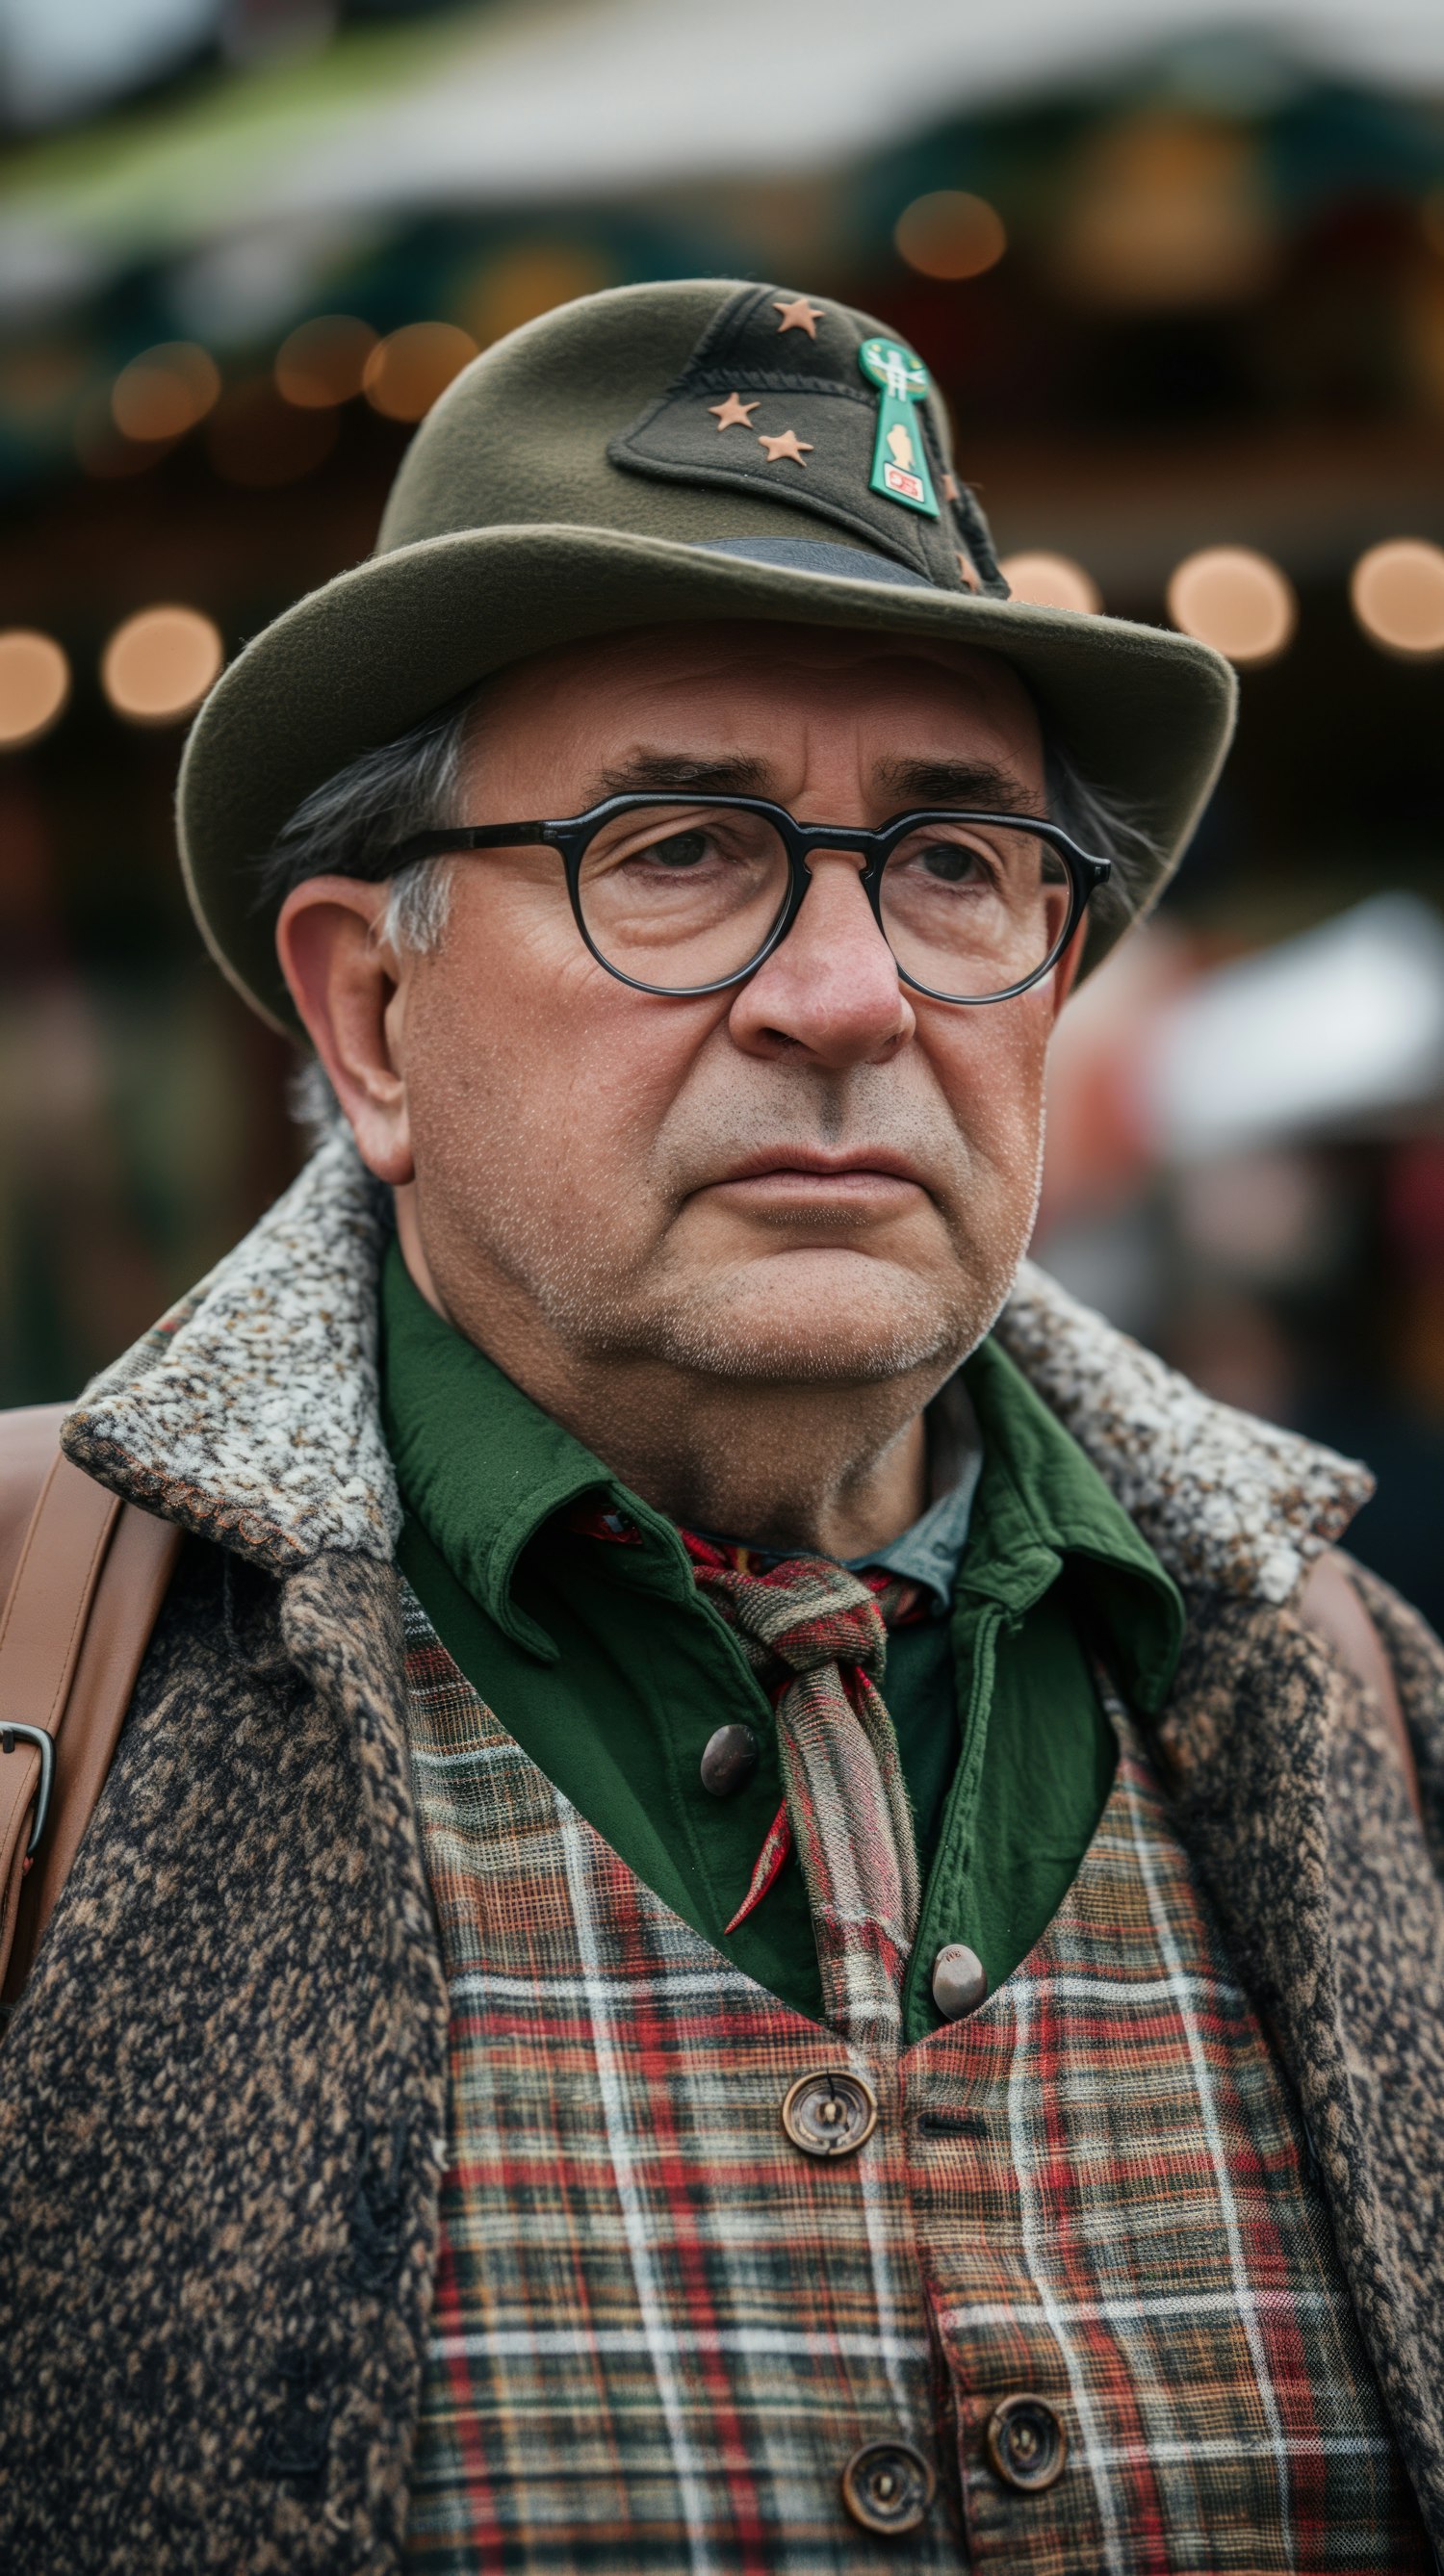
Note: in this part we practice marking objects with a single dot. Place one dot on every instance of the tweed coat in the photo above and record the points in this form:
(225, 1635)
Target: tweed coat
(223, 2098)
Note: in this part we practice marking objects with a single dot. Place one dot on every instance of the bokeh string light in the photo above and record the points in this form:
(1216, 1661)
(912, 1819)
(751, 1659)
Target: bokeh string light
(409, 368)
(1050, 581)
(158, 666)
(1396, 591)
(1237, 601)
(950, 234)
(34, 685)
(164, 392)
(323, 362)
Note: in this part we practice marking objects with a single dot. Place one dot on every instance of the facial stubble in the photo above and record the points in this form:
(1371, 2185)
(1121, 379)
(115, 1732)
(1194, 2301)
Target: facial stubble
(837, 1314)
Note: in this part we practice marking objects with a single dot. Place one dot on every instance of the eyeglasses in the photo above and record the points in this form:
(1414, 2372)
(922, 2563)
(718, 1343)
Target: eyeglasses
(690, 896)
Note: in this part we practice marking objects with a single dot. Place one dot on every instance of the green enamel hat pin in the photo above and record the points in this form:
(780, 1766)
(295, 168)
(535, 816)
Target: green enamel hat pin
(899, 460)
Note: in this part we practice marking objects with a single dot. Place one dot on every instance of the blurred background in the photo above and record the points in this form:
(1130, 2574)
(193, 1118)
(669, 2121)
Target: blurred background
(1179, 269)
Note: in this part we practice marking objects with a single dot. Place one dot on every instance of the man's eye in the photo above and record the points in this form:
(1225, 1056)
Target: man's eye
(953, 864)
(679, 850)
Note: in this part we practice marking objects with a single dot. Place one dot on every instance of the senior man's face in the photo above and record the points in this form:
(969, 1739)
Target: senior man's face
(817, 1175)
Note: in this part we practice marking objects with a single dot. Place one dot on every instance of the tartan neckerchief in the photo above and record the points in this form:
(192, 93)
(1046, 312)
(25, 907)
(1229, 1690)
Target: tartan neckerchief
(816, 1636)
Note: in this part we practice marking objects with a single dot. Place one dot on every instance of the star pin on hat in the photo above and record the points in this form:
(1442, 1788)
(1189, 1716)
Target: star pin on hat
(693, 451)
(856, 415)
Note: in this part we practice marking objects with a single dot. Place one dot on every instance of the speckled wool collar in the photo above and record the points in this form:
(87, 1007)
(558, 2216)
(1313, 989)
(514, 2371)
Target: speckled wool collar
(251, 1412)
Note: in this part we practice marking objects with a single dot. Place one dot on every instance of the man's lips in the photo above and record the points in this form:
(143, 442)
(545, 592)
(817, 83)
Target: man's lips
(873, 1179)
(811, 1163)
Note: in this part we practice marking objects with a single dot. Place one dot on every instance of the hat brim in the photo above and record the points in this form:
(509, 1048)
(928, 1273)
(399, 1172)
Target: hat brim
(1146, 713)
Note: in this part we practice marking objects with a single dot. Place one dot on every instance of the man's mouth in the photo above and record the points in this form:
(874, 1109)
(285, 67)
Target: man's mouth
(815, 1162)
(867, 1180)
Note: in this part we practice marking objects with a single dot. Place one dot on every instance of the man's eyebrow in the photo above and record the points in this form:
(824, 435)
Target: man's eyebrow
(669, 771)
(980, 784)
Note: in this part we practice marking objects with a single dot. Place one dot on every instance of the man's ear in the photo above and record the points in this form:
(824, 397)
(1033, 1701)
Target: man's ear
(349, 988)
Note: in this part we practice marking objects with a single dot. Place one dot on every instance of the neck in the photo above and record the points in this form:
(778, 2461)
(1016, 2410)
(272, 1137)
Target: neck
(820, 1471)
(824, 1469)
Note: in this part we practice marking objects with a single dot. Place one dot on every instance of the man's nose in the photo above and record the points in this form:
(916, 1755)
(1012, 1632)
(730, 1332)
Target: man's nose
(832, 987)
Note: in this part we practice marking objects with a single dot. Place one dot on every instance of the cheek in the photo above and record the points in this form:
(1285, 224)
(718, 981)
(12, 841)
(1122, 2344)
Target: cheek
(990, 1065)
(528, 1065)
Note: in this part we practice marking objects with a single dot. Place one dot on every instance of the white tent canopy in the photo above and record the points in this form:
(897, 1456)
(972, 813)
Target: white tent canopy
(533, 103)
(638, 91)
(1341, 1025)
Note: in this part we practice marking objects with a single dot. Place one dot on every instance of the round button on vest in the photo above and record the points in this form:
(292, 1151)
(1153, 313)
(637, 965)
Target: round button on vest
(729, 1759)
(1026, 2443)
(829, 2115)
(887, 2487)
(960, 1981)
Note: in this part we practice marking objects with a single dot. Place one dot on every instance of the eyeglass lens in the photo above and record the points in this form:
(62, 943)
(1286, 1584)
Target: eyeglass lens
(677, 896)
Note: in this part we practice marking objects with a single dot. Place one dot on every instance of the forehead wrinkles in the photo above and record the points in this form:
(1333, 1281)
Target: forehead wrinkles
(660, 665)
(816, 715)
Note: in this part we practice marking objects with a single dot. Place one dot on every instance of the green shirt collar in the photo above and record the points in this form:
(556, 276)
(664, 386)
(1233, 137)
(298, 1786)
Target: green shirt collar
(1041, 1501)
(479, 1463)
(484, 1469)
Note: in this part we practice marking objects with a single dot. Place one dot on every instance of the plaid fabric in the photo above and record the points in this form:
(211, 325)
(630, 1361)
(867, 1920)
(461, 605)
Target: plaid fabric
(816, 1636)
(660, 2331)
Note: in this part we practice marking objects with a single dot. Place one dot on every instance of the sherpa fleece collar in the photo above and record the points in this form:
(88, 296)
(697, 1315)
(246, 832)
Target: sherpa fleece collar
(251, 1413)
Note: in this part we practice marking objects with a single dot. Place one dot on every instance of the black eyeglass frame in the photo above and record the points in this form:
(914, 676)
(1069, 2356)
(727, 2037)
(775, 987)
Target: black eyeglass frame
(571, 837)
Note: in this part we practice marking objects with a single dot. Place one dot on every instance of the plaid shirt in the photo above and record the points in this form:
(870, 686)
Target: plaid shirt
(660, 2331)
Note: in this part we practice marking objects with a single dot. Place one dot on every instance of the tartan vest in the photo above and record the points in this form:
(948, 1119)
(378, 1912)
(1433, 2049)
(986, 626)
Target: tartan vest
(1084, 2225)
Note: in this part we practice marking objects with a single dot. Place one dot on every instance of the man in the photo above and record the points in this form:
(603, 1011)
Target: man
(763, 1904)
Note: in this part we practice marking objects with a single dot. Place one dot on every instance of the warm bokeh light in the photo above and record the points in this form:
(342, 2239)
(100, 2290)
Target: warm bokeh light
(1236, 600)
(1168, 210)
(160, 663)
(255, 439)
(950, 233)
(531, 278)
(1050, 581)
(34, 685)
(408, 369)
(1397, 591)
(323, 362)
(165, 391)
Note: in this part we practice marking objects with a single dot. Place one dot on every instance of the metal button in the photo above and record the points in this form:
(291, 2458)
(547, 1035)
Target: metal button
(888, 2487)
(829, 2115)
(729, 1759)
(1026, 2443)
(960, 1981)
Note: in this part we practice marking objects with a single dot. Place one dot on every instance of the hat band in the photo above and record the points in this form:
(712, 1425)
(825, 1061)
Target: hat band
(813, 554)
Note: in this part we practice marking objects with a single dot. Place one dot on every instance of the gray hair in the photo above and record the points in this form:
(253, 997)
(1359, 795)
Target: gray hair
(1103, 826)
(347, 826)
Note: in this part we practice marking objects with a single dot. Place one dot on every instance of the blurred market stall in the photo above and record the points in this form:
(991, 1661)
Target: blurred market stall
(1247, 1169)
(1180, 270)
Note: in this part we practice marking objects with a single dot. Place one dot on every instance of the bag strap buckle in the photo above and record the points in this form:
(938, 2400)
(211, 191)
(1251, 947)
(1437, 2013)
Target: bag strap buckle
(13, 1733)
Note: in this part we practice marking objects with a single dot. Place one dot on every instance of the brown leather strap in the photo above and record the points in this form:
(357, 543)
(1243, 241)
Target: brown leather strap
(90, 1578)
(41, 1629)
(124, 1608)
(28, 1441)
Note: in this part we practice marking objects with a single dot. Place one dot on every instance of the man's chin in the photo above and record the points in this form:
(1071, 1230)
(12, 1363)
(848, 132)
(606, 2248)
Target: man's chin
(824, 1316)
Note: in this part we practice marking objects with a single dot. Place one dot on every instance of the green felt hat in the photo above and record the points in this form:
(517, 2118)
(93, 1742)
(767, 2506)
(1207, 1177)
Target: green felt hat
(704, 449)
